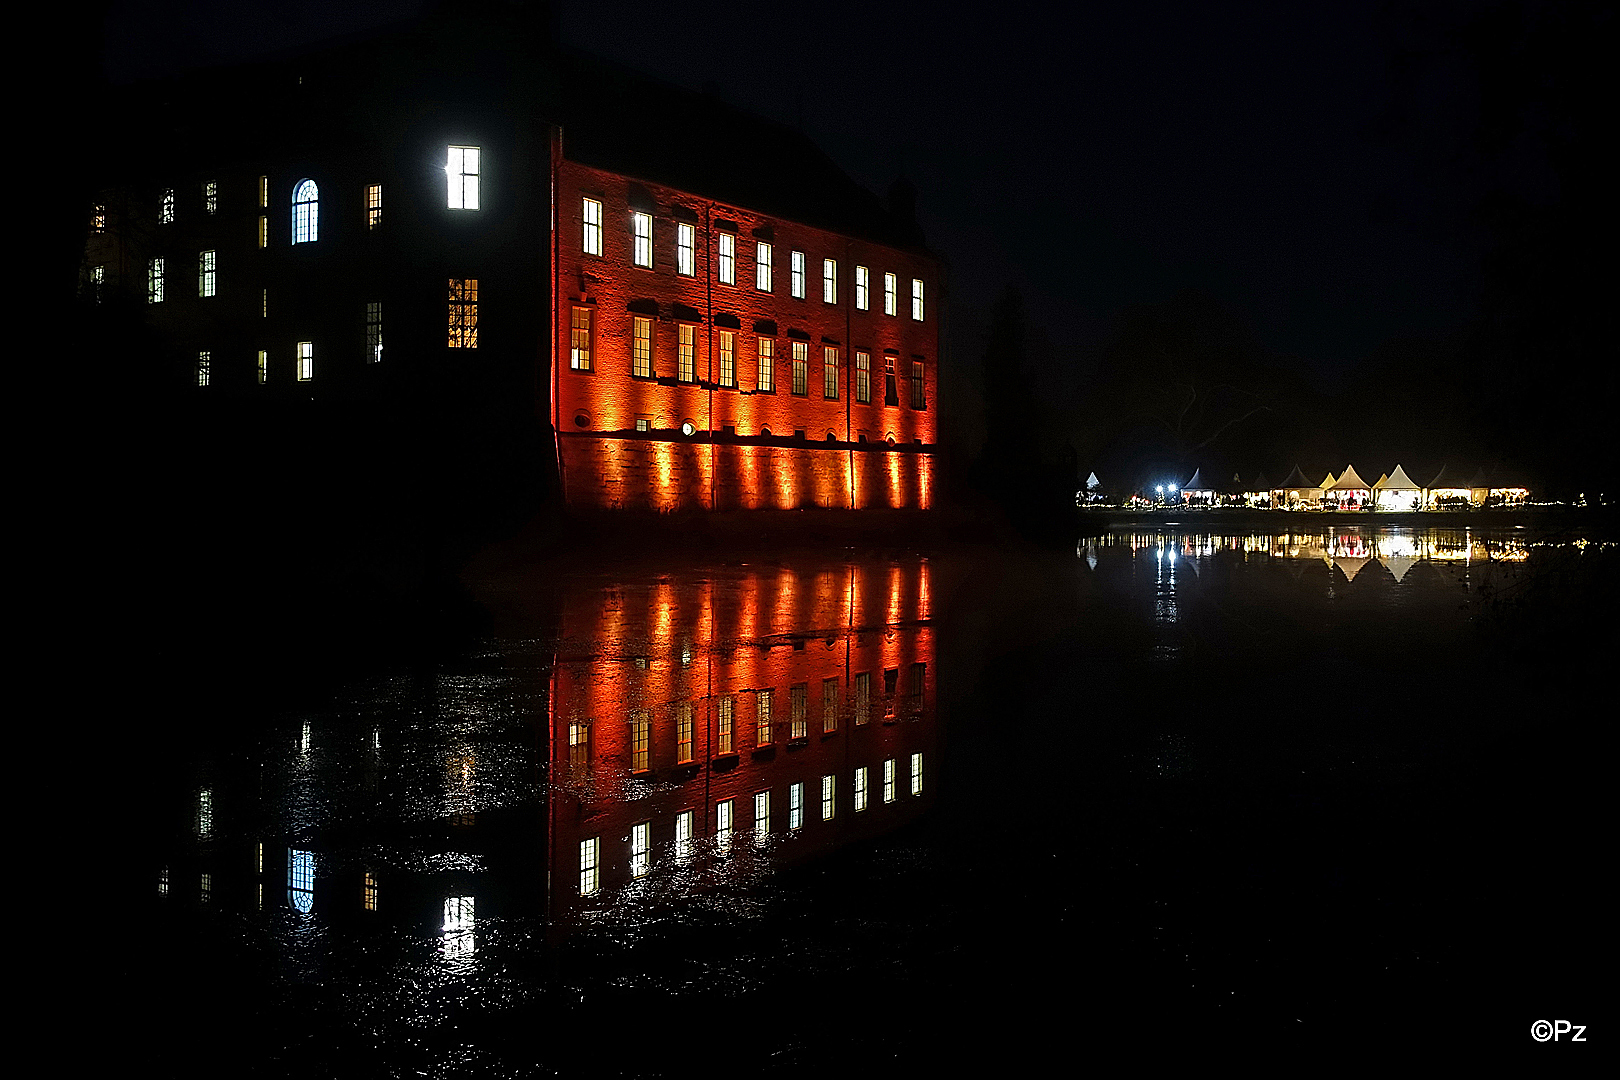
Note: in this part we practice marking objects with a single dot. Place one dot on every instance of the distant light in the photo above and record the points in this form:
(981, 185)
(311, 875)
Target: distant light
(1161, 489)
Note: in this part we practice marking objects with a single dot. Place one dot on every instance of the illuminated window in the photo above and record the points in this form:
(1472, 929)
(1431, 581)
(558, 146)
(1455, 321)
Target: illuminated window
(579, 735)
(916, 773)
(863, 377)
(373, 205)
(591, 234)
(306, 212)
(264, 193)
(163, 881)
(154, 281)
(641, 239)
(98, 218)
(306, 364)
(829, 705)
(728, 259)
(917, 299)
(728, 358)
(862, 291)
(590, 855)
(725, 709)
(863, 697)
(206, 887)
(205, 363)
(860, 788)
(374, 332)
(722, 824)
(462, 171)
(301, 880)
(641, 329)
(166, 208)
(463, 313)
(211, 196)
(798, 706)
(829, 794)
(685, 249)
(919, 391)
(685, 352)
(683, 834)
(264, 366)
(98, 281)
(762, 267)
(801, 368)
(206, 278)
(643, 423)
(205, 813)
(762, 725)
(829, 281)
(767, 364)
(796, 806)
(640, 849)
(796, 275)
(640, 740)
(264, 303)
(368, 892)
(829, 373)
(888, 780)
(891, 294)
(264, 230)
(762, 814)
(683, 732)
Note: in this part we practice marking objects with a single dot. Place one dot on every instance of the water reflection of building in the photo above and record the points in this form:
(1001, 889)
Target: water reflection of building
(712, 720)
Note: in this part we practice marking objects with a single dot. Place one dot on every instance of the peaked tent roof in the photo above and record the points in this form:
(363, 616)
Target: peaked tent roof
(1259, 483)
(1092, 482)
(1326, 483)
(1397, 481)
(1349, 481)
(1449, 478)
(1296, 479)
(1197, 482)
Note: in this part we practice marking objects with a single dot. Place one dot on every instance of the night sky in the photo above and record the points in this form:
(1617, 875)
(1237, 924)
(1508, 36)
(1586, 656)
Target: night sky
(1331, 177)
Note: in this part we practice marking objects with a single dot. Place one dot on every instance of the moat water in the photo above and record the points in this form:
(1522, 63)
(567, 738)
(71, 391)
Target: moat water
(758, 814)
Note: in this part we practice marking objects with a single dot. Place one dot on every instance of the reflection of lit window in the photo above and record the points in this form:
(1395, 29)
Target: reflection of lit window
(640, 737)
(458, 925)
(829, 705)
(211, 196)
(591, 237)
(916, 773)
(462, 171)
(860, 788)
(919, 679)
(722, 824)
(683, 732)
(301, 880)
(683, 834)
(762, 728)
(762, 814)
(888, 780)
(829, 788)
(724, 709)
(795, 806)
(368, 892)
(798, 703)
(590, 852)
(98, 218)
(640, 848)
(863, 697)
(306, 212)
(98, 281)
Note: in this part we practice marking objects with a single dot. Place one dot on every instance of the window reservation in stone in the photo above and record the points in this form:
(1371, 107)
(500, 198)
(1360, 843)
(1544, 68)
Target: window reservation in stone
(211, 196)
(306, 212)
(306, 361)
(863, 377)
(767, 364)
(685, 249)
(863, 292)
(796, 275)
(728, 259)
(641, 239)
(919, 392)
(374, 340)
(204, 366)
(579, 339)
(764, 719)
(891, 294)
(829, 373)
(725, 712)
(640, 740)
(683, 732)
(686, 352)
(796, 805)
(762, 267)
(728, 358)
(863, 697)
(640, 849)
(829, 705)
(829, 795)
(206, 273)
(590, 865)
(798, 707)
(462, 170)
(801, 368)
(916, 773)
(919, 679)
(463, 313)
(166, 207)
(591, 227)
(373, 205)
(829, 281)
(264, 230)
(641, 333)
(762, 814)
(917, 299)
(264, 365)
(860, 788)
(154, 281)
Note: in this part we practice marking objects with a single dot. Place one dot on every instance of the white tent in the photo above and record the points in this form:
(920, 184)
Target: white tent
(1198, 490)
(1348, 490)
(1297, 491)
(1397, 492)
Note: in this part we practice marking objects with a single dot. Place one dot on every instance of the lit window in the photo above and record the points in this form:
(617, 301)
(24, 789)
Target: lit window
(98, 281)
(829, 373)
(762, 267)
(205, 273)
(211, 196)
(919, 393)
(863, 377)
(264, 366)
(306, 212)
(685, 352)
(204, 367)
(796, 806)
(860, 788)
(462, 171)
(725, 709)
(728, 259)
(264, 230)
(373, 205)
(463, 313)
(863, 697)
(762, 814)
(591, 238)
(166, 208)
(579, 340)
(458, 925)
(767, 364)
(301, 880)
(829, 281)
(801, 368)
(590, 854)
(829, 705)
(154, 281)
(917, 299)
(862, 292)
(579, 741)
(641, 239)
(640, 849)
(640, 740)
(683, 732)
(640, 346)
(762, 726)
(829, 790)
(206, 887)
(685, 249)
(891, 294)
(205, 809)
(728, 358)
(374, 332)
(264, 303)
(888, 780)
(916, 773)
(98, 218)
(683, 834)
(796, 275)
(306, 361)
(798, 706)
(643, 423)
(264, 193)
(368, 892)
(722, 824)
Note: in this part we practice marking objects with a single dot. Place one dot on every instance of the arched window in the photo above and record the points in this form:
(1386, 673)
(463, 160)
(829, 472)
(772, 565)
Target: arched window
(306, 212)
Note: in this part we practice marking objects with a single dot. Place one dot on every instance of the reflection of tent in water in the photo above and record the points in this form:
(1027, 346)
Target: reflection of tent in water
(1349, 565)
(1398, 565)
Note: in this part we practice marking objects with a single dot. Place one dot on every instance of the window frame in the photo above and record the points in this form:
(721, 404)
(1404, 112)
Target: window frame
(460, 181)
(154, 280)
(686, 352)
(374, 331)
(207, 274)
(373, 206)
(305, 354)
(590, 226)
(463, 313)
(829, 372)
(916, 299)
(765, 371)
(863, 377)
(863, 288)
(581, 338)
(641, 361)
(799, 352)
(306, 212)
(685, 249)
(764, 266)
(727, 348)
(727, 268)
(641, 244)
(891, 294)
(797, 286)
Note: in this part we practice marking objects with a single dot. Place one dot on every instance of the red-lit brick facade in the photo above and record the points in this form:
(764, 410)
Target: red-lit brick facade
(847, 415)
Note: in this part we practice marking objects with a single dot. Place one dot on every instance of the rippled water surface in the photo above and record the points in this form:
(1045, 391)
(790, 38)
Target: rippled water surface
(769, 813)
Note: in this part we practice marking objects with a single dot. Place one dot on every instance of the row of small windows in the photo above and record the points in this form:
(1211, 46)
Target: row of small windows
(641, 254)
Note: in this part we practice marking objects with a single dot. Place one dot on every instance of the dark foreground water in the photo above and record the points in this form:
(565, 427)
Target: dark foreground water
(1163, 791)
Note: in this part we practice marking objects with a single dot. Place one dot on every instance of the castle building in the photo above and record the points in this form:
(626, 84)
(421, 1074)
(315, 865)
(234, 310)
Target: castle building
(460, 223)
